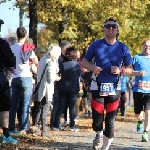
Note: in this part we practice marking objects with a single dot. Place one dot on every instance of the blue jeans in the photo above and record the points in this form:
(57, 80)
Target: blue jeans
(21, 90)
(64, 97)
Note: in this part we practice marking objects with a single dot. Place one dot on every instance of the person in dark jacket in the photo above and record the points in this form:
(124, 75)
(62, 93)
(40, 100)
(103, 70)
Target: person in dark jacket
(7, 64)
(68, 87)
(64, 45)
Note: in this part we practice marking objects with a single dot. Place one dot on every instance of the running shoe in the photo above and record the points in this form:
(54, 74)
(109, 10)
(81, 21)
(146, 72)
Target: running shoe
(144, 137)
(139, 127)
(97, 143)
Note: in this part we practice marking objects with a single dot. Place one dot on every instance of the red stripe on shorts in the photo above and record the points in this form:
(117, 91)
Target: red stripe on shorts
(97, 106)
(112, 106)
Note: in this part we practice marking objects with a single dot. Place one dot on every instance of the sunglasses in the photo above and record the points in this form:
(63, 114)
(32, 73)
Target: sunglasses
(107, 26)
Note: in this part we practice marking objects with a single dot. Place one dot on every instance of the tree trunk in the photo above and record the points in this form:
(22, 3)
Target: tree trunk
(33, 21)
(21, 16)
(63, 23)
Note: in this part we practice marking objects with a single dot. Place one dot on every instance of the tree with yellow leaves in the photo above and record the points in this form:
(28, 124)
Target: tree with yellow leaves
(80, 21)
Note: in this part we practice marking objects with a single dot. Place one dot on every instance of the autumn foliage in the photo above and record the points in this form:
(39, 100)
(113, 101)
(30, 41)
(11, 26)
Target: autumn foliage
(81, 21)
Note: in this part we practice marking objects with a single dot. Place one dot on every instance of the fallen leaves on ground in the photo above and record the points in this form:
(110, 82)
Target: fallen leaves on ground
(63, 139)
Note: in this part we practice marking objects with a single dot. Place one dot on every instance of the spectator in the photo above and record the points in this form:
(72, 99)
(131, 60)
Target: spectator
(86, 78)
(79, 99)
(40, 52)
(7, 63)
(68, 87)
(81, 85)
(21, 82)
(124, 99)
(48, 65)
(131, 81)
(63, 45)
(33, 69)
(12, 40)
(86, 94)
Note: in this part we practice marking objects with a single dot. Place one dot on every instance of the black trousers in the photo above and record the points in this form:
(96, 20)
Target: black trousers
(41, 113)
(5, 93)
(122, 103)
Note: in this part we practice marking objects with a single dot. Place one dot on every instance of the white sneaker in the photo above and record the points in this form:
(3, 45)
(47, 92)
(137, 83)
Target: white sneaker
(65, 123)
(55, 129)
(77, 117)
(74, 130)
(61, 127)
(23, 132)
(85, 115)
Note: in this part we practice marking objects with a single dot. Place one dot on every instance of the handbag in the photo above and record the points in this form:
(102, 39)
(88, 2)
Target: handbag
(35, 92)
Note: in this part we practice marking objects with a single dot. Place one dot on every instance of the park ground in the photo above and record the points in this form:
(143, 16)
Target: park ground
(126, 137)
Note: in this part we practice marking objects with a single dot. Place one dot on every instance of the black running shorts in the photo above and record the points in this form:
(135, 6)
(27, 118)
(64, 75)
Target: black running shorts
(141, 102)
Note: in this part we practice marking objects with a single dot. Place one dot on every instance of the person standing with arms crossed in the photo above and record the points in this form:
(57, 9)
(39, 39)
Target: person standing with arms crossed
(141, 89)
(109, 54)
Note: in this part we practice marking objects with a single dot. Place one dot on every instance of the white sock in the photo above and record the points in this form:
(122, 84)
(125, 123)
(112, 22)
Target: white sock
(106, 142)
(100, 133)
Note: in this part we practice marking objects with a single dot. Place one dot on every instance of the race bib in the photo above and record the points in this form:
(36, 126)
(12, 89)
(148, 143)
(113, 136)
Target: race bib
(144, 85)
(107, 89)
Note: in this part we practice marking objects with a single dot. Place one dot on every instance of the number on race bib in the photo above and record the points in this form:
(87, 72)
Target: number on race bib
(107, 89)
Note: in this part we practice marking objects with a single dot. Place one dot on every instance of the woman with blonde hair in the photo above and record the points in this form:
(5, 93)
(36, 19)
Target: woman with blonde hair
(48, 65)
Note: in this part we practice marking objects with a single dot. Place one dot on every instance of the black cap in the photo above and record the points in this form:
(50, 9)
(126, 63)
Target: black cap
(1, 21)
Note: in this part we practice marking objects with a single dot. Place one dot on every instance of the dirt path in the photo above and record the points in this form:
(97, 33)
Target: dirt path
(126, 137)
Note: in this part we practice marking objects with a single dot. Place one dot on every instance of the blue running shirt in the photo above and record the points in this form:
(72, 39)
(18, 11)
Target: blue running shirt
(124, 81)
(106, 55)
(142, 84)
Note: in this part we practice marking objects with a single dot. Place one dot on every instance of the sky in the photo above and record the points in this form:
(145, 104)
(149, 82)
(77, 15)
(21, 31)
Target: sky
(10, 18)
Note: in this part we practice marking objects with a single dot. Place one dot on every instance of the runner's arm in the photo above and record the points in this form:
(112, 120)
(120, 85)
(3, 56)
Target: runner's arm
(95, 69)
